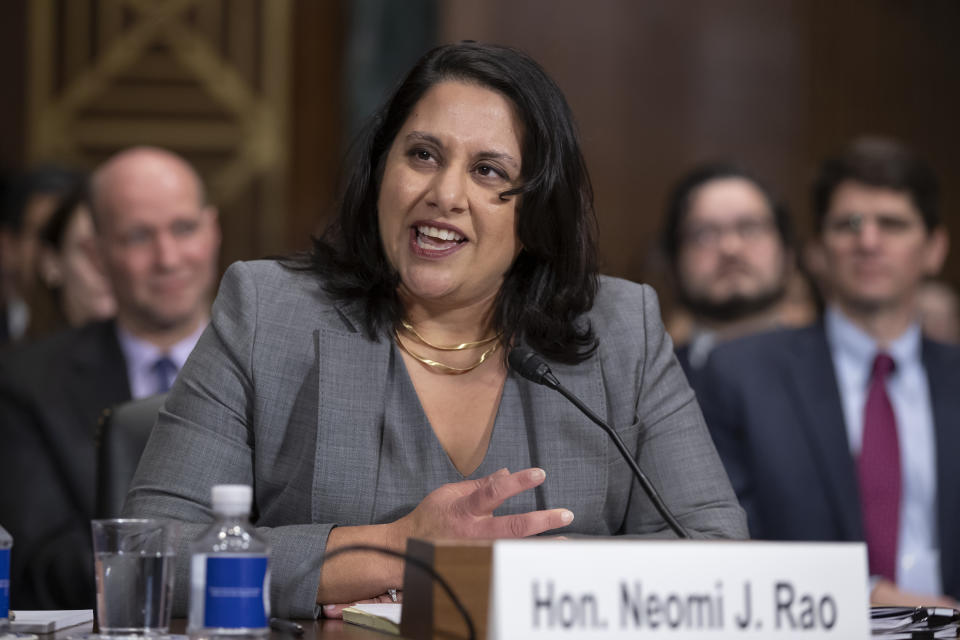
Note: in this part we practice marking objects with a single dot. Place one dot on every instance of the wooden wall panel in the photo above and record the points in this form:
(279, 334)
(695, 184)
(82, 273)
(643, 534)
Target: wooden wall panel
(317, 119)
(13, 75)
(659, 85)
(208, 79)
(252, 91)
(891, 68)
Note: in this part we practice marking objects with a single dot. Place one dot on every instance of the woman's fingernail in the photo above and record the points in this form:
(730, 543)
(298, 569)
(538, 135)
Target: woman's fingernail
(329, 607)
(566, 516)
(537, 474)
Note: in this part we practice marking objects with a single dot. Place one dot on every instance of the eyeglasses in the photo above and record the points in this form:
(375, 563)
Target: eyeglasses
(710, 235)
(887, 224)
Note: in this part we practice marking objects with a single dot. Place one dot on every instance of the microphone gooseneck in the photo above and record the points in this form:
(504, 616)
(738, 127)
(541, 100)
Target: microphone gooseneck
(531, 366)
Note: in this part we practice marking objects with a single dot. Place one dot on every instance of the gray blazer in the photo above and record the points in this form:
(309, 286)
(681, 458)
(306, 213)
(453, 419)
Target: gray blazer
(284, 392)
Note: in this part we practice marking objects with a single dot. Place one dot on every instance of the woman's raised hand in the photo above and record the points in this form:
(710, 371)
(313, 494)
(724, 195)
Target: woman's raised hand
(457, 510)
(465, 510)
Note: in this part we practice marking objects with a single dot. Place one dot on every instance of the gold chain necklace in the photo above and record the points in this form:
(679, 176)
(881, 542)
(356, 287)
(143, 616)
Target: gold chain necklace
(445, 368)
(465, 345)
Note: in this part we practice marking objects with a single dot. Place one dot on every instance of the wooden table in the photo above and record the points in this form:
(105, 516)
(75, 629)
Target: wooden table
(312, 630)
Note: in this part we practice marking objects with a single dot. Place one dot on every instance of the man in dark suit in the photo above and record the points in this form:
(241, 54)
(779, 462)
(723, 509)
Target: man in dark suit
(849, 430)
(729, 245)
(157, 241)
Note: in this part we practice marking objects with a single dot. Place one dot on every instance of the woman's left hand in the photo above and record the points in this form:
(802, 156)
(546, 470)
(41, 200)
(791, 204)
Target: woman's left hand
(336, 610)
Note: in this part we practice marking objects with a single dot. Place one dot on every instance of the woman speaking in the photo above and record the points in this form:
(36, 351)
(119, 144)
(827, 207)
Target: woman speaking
(364, 391)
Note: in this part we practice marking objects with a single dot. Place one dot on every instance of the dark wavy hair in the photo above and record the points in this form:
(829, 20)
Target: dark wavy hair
(55, 231)
(553, 280)
(47, 179)
(879, 162)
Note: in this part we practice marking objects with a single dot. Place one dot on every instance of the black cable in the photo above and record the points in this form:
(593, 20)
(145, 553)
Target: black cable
(420, 564)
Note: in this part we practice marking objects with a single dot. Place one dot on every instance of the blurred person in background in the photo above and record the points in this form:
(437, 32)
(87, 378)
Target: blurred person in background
(76, 289)
(156, 239)
(6, 281)
(729, 244)
(939, 311)
(28, 204)
(849, 429)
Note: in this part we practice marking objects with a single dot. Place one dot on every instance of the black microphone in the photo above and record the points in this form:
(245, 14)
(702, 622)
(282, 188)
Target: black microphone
(531, 366)
(527, 363)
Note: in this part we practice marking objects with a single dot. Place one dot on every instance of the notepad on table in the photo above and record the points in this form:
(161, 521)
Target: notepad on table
(49, 621)
(382, 617)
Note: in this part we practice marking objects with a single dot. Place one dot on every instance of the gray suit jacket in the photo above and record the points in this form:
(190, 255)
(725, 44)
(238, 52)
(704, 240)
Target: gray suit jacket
(284, 392)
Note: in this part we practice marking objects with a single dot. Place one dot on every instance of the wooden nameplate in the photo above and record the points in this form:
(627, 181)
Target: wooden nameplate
(428, 612)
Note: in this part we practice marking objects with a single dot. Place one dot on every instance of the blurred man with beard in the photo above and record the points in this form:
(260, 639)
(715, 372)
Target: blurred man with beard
(157, 241)
(729, 245)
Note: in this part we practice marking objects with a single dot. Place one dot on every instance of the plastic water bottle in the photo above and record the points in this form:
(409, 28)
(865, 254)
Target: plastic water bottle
(6, 543)
(229, 572)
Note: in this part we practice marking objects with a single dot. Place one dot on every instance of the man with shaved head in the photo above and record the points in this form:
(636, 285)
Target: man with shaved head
(157, 242)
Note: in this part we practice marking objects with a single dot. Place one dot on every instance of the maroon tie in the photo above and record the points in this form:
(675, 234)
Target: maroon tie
(879, 473)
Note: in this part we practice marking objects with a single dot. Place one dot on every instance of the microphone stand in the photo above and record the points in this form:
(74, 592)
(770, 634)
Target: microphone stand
(532, 367)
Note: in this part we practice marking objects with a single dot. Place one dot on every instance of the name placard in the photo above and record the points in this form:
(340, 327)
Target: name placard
(678, 590)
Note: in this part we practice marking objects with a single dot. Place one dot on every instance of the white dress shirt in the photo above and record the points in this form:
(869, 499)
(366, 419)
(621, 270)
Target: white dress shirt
(702, 343)
(141, 356)
(853, 352)
(18, 318)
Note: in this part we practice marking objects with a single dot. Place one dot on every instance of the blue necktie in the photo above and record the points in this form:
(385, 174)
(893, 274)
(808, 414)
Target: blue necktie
(165, 371)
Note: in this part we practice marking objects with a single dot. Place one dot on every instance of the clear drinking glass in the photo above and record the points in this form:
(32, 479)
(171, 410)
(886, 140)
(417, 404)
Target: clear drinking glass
(134, 572)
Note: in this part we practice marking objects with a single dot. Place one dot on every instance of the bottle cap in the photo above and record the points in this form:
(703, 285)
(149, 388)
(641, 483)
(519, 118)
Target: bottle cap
(232, 499)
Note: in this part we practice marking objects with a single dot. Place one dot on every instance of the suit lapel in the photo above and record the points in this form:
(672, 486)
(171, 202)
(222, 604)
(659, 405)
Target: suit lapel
(565, 443)
(99, 373)
(942, 367)
(352, 374)
(92, 377)
(818, 404)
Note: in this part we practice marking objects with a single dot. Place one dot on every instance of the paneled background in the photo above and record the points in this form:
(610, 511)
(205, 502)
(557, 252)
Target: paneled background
(658, 85)
(207, 79)
(255, 92)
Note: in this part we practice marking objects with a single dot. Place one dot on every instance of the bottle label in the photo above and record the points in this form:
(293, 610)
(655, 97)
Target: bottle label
(4, 583)
(234, 596)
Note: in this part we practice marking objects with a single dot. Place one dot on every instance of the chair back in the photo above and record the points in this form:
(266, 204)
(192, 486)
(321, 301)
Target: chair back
(122, 434)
